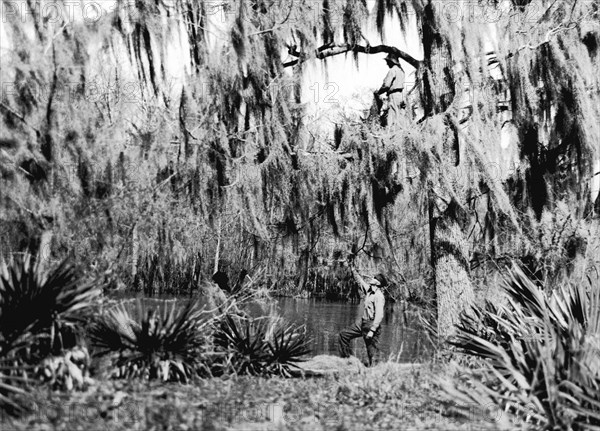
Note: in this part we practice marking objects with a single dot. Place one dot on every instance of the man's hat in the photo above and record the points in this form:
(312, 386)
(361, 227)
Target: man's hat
(392, 58)
(381, 279)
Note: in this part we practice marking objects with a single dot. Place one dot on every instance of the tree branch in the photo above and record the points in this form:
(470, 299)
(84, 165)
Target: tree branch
(330, 50)
(19, 117)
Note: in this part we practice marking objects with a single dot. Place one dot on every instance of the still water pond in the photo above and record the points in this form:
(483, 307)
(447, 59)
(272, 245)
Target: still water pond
(402, 338)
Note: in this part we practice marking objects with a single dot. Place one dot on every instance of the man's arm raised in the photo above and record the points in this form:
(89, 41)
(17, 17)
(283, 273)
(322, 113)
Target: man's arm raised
(364, 286)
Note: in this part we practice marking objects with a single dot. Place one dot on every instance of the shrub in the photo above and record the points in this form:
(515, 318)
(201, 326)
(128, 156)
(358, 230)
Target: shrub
(540, 354)
(48, 306)
(245, 342)
(261, 347)
(40, 314)
(166, 341)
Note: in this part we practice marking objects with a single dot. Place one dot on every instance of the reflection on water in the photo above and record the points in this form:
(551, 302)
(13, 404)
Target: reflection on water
(401, 335)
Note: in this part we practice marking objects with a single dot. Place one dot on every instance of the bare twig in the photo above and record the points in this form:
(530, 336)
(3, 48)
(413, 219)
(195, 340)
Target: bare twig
(51, 41)
(546, 40)
(362, 247)
(217, 251)
(276, 26)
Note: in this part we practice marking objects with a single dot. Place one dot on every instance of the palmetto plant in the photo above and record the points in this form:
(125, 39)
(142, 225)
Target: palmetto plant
(540, 352)
(44, 305)
(259, 346)
(287, 346)
(164, 341)
(39, 316)
(246, 342)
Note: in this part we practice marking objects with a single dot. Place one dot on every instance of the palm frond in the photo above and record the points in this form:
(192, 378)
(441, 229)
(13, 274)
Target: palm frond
(538, 351)
(164, 341)
(261, 347)
(31, 302)
(40, 314)
(245, 341)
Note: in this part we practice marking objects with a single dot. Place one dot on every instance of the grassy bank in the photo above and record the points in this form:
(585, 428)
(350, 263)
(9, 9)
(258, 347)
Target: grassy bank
(388, 396)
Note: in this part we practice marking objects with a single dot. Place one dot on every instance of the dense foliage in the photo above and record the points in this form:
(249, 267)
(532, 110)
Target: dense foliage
(122, 164)
(41, 319)
(540, 353)
(261, 347)
(155, 182)
(166, 341)
(49, 320)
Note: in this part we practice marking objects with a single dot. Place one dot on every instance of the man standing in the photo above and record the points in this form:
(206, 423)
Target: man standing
(393, 87)
(369, 326)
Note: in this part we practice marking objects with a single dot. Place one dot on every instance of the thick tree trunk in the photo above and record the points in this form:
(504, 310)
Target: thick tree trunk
(454, 291)
(449, 222)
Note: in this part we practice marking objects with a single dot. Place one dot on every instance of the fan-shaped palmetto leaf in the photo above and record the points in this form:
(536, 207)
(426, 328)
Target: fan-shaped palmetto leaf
(37, 312)
(164, 341)
(246, 342)
(256, 347)
(288, 346)
(33, 303)
(539, 352)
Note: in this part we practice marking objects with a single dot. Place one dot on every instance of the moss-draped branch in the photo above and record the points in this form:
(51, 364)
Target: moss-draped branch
(330, 50)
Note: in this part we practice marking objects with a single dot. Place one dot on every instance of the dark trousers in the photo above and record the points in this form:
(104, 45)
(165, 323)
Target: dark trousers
(360, 330)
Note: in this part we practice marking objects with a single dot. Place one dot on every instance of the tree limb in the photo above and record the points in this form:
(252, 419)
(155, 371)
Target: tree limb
(19, 117)
(330, 50)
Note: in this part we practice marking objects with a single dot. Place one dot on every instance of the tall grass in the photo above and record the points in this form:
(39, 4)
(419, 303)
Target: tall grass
(163, 273)
(539, 354)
